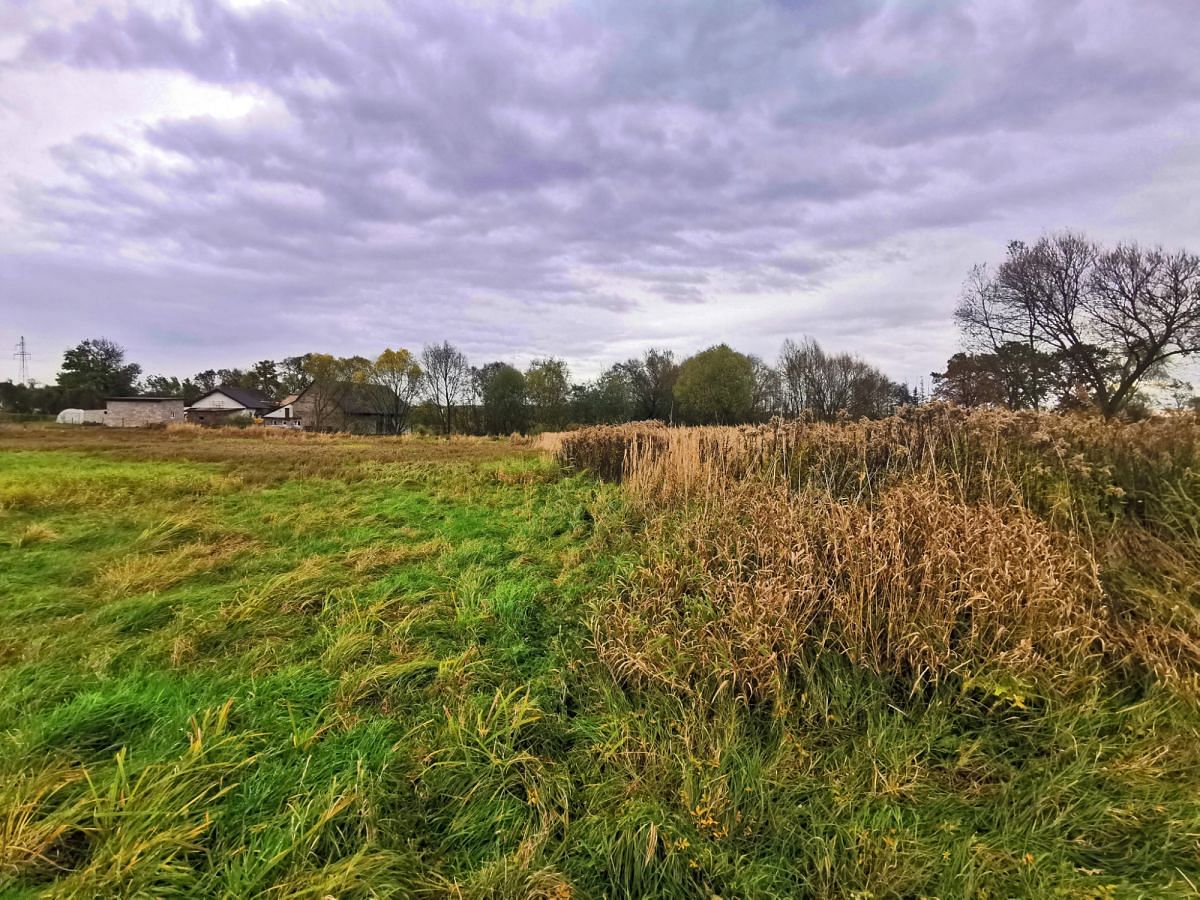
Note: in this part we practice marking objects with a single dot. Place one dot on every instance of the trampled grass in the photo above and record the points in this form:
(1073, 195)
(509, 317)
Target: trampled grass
(234, 664)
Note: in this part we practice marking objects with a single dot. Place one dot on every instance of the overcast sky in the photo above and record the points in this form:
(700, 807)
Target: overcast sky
(212, 183)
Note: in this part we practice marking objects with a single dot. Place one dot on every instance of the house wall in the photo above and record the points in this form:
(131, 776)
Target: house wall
(280, 416)
(216, 416)
(308, 413)
(134, 413)
(326, 417)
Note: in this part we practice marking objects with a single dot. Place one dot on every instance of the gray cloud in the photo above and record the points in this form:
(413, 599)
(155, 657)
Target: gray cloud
(571, 179)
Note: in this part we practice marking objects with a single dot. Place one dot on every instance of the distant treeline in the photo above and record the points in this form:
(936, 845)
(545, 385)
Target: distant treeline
(440, 390)
(1064, 323)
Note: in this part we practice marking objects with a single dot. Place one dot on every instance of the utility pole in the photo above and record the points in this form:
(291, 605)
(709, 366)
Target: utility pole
(22, 357)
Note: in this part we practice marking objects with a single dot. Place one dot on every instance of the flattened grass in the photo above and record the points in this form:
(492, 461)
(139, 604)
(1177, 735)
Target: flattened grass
(382, 681)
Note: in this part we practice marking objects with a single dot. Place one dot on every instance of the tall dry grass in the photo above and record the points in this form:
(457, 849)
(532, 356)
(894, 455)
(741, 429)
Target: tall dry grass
(935, 543)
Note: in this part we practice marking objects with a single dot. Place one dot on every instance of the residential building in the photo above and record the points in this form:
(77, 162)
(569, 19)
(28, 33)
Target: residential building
(227, 402)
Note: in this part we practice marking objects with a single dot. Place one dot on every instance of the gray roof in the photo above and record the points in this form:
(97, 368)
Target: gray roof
(247, 397)
(352, 399)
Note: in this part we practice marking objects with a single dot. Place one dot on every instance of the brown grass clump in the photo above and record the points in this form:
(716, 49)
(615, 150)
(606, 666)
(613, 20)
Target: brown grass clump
(34, 533)
(937, 542)
(609, 450)
(1069, 468)
(919, 585)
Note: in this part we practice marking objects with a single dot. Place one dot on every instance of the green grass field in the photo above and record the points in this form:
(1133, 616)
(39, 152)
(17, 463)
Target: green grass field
(233, 666)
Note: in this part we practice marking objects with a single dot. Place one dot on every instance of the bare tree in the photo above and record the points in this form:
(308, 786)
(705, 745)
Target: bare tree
(1114, 317)
(447, 378)
(823, 385)
(768, 390)
(651, 382)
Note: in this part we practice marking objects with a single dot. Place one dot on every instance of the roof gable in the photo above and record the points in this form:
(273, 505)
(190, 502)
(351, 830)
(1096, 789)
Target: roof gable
(351, 399)
(246, 397)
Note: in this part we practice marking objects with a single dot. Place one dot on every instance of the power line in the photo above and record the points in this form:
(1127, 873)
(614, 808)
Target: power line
(22, 357)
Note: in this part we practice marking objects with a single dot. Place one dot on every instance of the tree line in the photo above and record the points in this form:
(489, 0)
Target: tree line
(440, 390)
(1064, 323)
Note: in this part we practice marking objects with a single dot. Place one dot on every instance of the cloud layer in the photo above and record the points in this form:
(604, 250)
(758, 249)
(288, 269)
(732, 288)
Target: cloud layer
(213, 184)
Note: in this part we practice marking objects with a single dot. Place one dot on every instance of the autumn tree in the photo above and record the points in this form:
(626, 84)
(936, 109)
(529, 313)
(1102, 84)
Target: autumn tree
(768, 391)
(331, 381)
(823, 385)
(395, 382)
(1113, 317)
(969, 379)
(1015, 375)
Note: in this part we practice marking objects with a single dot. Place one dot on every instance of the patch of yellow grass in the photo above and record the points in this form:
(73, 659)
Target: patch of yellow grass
(30, 825)
(306, 588)
(35, 533)
(149, 572)
(384, 556)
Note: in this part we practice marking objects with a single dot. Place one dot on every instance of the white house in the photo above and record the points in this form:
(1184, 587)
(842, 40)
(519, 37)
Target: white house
(223, 403)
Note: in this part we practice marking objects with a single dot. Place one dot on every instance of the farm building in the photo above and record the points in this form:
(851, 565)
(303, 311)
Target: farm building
(131, 412)
(348, 407)
(227, 402)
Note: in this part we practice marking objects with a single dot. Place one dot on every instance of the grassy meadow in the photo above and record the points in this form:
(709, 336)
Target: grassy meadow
(940, 655)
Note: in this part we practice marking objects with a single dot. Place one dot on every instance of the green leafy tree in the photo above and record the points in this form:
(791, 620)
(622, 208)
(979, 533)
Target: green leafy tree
(95, 369)
(548, 390)
(171, 386)
(206, 380)
(502, 398)
(604, 401)
(263, 376)
(292, 375)
(716, 387)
